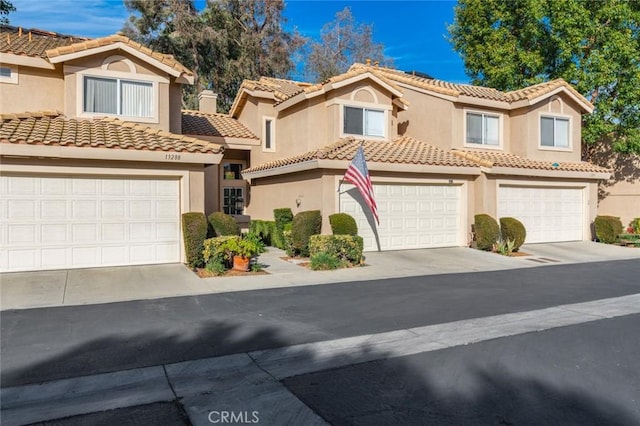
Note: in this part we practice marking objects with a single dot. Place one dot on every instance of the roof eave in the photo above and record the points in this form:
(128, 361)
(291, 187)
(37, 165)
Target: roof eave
(90, 153)
(580, 100)
(288, 103)
(116, 46)
(372, 166)
(566, 174)
(26, 61)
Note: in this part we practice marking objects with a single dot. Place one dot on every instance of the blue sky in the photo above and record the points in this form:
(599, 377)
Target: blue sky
(413, 32)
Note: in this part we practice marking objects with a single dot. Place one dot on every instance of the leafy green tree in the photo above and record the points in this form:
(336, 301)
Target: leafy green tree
(592, 44)
(228, 41)
(343, 41)
(5, 7)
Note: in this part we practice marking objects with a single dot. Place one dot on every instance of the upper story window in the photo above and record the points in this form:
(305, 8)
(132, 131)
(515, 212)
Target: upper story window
(364, 121)
(268, 134)
(483, 129)
(554, 132)
(232, 171)
(8, 75)
(118, 97)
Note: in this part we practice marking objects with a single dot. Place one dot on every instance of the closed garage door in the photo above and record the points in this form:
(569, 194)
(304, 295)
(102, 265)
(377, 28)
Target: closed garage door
(70, 222)
(411, 216)
(549, 214)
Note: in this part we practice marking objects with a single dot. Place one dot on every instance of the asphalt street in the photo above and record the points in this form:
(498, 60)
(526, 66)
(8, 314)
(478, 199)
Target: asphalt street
(587, 374)
(53, 343)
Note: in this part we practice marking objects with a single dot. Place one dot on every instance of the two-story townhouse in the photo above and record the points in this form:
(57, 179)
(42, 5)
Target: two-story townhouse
(438, 153)
(95, 169)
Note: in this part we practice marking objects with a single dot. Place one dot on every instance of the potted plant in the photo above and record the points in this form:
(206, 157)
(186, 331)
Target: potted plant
(243, 249)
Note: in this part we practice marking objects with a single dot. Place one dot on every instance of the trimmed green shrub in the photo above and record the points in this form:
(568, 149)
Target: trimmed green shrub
(487, 231)
(324, 262)
(288, 242)
(223, 224)
(346, 248)
(264, 229)
(194, 229)
(304, 225)
(343, 224)
(281, 218)
(607, 229)
(513, 230)
(216, 250)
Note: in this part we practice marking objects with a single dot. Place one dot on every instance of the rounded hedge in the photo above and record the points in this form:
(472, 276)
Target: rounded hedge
(281, 217)
(304, 225)
(343, 224)
(512, 229)
(194, 230)
(487, 231)
(607, 228)
(223, 224)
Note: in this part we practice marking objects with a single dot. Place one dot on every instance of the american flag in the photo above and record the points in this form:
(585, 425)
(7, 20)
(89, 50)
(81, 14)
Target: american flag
(358, 174)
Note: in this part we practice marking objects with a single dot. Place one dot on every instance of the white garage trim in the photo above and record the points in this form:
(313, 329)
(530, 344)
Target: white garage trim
(452, 193)
(546, 218)
(99, 177)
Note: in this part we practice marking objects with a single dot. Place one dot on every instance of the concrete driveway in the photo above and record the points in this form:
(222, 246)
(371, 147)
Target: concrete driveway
(104, 285)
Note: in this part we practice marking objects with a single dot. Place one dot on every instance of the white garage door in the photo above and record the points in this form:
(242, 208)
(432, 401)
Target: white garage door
(71, 222)
(411, 216)
(548, 214)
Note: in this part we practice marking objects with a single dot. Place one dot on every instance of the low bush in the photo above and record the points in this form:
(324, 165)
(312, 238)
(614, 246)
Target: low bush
(343, 224)
(512, 229)
(323, 261)
(281, 217)
(346, 248)
(215, 267)
(264, 229)
(217, 250)
(194, 230)
(223, 224)
(486, 231)
(304, 225)
(607, 229)
(635, 225)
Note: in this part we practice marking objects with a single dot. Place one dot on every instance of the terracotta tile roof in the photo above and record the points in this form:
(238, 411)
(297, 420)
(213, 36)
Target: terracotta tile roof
(53, 129)
(454, 89)
(352, 72)
(48, 45)
(168, 60)
(32, 42)
(207, 124)
(502, 159)
(403, 150)
(286, 89)
(281, 89)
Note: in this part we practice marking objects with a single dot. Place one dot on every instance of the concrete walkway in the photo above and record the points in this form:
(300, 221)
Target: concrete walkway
(105, 285)
(236, 382)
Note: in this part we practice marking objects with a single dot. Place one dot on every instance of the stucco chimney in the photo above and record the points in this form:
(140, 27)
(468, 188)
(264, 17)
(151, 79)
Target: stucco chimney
(207, 101)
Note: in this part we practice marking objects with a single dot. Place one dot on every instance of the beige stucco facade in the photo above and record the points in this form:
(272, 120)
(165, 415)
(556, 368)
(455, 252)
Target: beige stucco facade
(36, 89)
(440, 120)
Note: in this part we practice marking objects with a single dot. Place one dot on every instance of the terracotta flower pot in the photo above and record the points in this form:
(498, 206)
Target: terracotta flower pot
(241, 263)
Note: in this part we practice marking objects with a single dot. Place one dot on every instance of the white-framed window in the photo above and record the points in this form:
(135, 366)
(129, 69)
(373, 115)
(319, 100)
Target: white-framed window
(118, 96)
(233, 200)
(363, 121)
(268, 134)
(8, 74)
(555, 132)
(482, 129)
